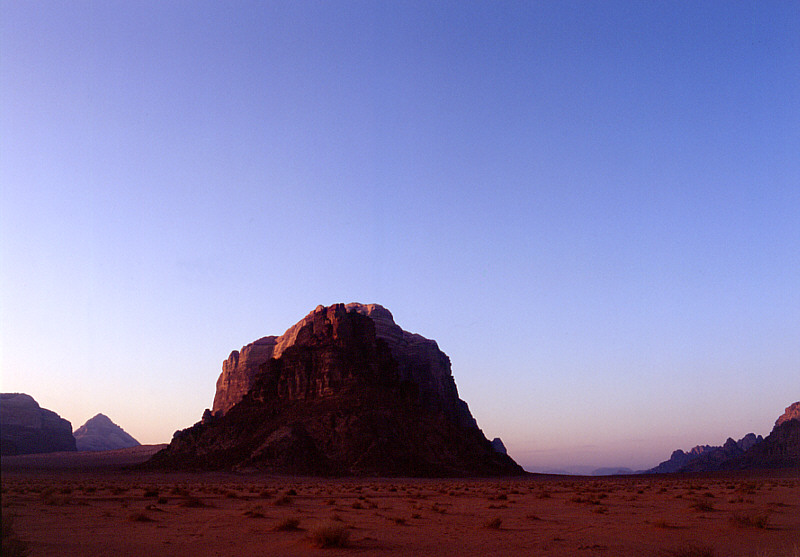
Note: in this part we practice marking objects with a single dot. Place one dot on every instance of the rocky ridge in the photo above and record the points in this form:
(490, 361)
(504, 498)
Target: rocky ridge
(26, 428)
(345, 391)
(780, 449)
(101, 434)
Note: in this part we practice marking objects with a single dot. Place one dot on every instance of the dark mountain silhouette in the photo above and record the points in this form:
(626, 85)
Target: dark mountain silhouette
(26, 428)
(780, 449)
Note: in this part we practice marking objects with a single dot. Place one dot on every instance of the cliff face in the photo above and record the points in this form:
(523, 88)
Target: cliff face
(418, 359)
(27, 428)
(337, 400)
(101, 434)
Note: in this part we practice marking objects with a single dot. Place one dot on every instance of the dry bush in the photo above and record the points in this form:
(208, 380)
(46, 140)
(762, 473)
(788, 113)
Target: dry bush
(140, 517)
(493, 523)
(661, 523)
(702, 506)
(749, 520)
(283, 501)
(694, 550)
(192, 502)
(329, 534)
(287, 525)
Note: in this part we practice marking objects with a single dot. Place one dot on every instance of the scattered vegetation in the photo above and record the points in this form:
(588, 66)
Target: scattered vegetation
(192, 502)
(140, 517)
(694, 550)
(702, 506)
(287, 525)
(749, 520)
(329, 534)
(493, 523)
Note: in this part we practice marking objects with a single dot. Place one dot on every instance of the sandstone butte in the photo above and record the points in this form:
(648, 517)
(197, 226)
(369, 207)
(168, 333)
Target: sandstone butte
(345, 391)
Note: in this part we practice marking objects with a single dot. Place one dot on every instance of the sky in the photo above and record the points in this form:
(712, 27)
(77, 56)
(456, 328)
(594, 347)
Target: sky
(593, 207)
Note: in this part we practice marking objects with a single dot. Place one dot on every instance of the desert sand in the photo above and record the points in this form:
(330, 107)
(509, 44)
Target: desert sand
(105, 511)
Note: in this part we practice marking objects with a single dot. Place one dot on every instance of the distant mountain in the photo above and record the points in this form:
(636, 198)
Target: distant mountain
(780, 449)
(101, 434)
(26, 428)
(679, 459)
(612, 471)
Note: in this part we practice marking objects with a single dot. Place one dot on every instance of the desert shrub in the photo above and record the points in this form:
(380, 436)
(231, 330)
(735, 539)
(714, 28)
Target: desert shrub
(702, 506)
(283, 501)
(151, 493)
(356, 505)
(162, 501)
(291, 493)
(493, 523)
(694, 550)
(254, 513)
(287, 525)
(532, 517)
(192, 502)
(328, 534)
(661, 523)
(749, 520)
(140, 517)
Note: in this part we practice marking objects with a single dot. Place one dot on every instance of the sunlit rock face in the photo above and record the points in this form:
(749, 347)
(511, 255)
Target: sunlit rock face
(27, 428)
(418, 360)
(101, 434)
(792, 413)
(345, 392)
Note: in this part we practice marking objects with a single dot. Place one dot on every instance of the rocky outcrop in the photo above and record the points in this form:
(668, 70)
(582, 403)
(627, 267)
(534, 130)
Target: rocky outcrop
(26, 428)
(335, 398)
(780, 449)
(679, 459)
(101, 434)
(792, 413)
(499, 446)
(418, 359)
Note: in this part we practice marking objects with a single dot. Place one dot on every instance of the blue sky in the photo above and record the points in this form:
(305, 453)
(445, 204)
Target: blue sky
(593, 207)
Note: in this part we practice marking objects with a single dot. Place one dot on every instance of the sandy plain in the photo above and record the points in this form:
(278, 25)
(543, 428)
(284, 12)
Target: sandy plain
(106, 511)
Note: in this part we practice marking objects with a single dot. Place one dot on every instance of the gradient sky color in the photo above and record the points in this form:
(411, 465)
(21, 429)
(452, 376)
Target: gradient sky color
(593, 207)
